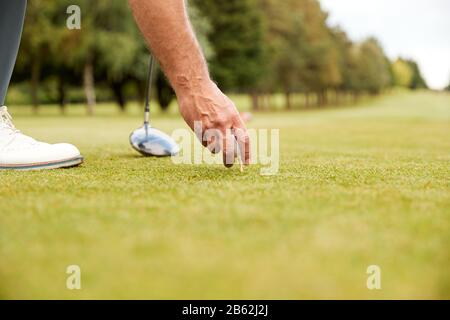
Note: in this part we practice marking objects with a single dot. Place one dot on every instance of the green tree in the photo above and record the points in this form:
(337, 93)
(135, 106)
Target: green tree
(346, 61)
(303, 56)
(407, 74)
(402, 73)
(322, 70)
(287, 51)
(35, 45)
(417, 81)
(117, 43)
(372, 67)
(237, 40)
(106, 46)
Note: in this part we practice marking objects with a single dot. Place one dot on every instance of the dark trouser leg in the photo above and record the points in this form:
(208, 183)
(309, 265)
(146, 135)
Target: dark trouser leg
(12, 14)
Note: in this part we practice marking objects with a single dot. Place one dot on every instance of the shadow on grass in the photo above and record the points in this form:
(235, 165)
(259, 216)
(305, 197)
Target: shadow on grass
(188, 171)
(132, 156)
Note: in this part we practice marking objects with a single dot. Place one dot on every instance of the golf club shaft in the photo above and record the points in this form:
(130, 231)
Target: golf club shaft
(148, 92)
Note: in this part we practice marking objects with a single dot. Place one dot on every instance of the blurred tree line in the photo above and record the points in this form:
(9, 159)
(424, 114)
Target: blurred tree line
(256, 47)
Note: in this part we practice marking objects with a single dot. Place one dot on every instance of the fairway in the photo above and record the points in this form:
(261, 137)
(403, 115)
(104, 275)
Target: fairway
(358, 186)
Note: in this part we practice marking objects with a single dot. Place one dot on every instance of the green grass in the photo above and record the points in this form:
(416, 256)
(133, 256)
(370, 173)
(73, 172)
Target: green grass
(357, 186)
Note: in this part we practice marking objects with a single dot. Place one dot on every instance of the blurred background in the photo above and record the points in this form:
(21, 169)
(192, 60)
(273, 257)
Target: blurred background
(288, 54)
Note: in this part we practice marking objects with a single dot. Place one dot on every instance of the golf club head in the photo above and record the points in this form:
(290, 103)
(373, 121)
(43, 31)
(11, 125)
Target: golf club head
(153, 142)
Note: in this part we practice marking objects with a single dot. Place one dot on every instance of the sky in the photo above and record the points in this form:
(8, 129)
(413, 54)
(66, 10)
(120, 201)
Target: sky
(417, 29)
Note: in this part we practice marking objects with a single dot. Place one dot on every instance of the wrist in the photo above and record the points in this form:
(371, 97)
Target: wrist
(191, 85)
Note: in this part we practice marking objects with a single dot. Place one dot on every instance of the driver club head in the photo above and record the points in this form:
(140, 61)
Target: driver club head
(153, 142)
(147, 140)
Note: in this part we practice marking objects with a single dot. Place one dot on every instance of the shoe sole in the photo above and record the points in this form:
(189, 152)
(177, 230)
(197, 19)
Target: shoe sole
(67, 163)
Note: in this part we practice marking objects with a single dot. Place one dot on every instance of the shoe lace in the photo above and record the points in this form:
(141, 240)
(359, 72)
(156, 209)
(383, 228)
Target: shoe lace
(6, 120)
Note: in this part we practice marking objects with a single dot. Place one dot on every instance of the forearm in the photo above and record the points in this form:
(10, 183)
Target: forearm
(166, 27)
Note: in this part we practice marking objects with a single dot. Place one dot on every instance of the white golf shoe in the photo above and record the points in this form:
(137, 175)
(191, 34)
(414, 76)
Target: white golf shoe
(20, 152)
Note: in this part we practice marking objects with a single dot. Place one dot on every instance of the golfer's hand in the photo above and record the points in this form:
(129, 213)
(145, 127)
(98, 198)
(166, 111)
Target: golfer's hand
(217, 116)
